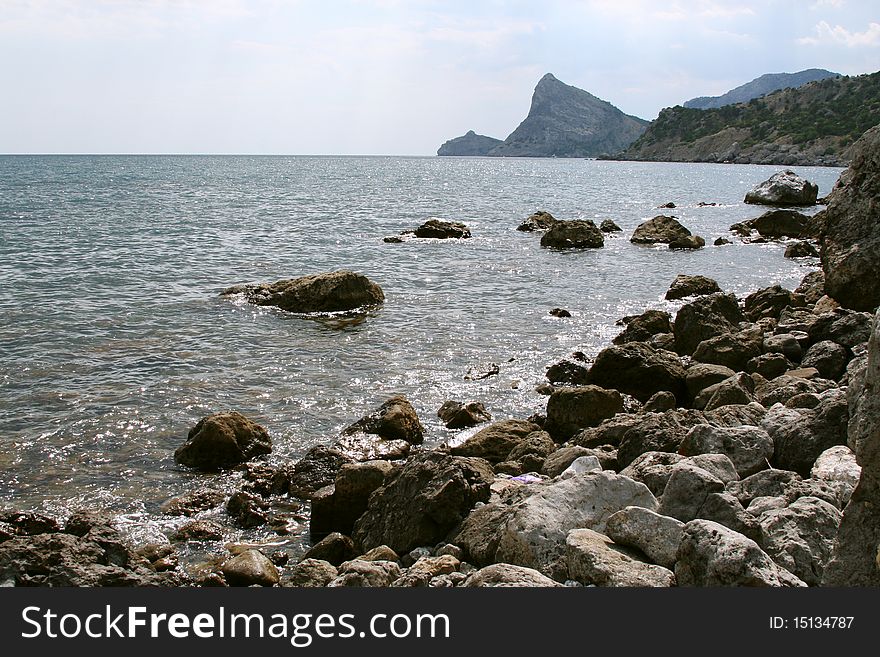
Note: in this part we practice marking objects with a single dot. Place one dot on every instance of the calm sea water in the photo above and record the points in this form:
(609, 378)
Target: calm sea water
(114, 342)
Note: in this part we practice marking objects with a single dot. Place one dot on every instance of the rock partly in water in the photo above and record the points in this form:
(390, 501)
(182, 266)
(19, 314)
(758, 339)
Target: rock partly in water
(662, 229)
(221, 441)
(539, 221)
(801, 250)
(638, 369)
(691, 286)
(573, 235)
(689, 243)
(608, 226)
(642, 328)
(249, 568)
(442, 230)
(458, 415)
(571, 409)
(776, 224)
(333, 292)
(495, 442)
(784, 188)
(317, 469)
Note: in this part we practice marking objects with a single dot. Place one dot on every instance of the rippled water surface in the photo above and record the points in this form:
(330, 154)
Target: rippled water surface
(114, 342)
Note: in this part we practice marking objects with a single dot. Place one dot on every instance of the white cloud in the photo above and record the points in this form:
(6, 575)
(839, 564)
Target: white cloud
(840, 36)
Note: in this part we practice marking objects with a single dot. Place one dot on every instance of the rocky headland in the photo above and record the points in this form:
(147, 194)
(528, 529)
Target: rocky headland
(734, 444)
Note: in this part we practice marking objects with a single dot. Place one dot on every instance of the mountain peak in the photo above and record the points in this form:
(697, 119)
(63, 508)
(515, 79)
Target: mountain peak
(549, 77)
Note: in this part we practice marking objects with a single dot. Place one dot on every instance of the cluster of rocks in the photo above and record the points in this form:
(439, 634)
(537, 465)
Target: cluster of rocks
(433, 229)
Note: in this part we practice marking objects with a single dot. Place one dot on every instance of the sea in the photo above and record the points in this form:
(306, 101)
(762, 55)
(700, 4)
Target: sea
(114, 340)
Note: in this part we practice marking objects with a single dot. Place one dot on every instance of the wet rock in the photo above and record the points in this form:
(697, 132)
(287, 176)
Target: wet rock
(539, 221)
(690, 286)
(439, 229)
(508, 575)
(713, 555)
(247, 510)
(770, 302)
(686, 491)
(359, 573)
(851, 236)
(748, 448)
(29, 523)
(393, 239)
(310, 573)
(496, 441)
(457, 415)
(705, 318)
(355, 482)
(801, 250)
(573, 235)
(395, 419)
(332, 292)
(249, 568)
(661, 229)
(567, 372)
(655, 535)
(221, 441)
(639, 370)
(198, 530)
(784, 188)
(721, 241)
(560, 312)
(423, 501)
(689, 243)
(828, 357)
(800, 537)
(776, 224)
(608, 226)
(657, 433)
(571, 409)
(480, 372)
(192, 503)
(317, 469)
(266, 479)
(645, 326)
(595, 559)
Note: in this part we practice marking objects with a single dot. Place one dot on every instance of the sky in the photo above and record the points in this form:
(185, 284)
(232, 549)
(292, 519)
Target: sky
(393, 77)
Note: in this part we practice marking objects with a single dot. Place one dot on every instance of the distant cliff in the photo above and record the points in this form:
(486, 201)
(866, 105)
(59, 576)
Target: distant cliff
(766, 84)
(815, 124)
(563, 121)
(469, 144)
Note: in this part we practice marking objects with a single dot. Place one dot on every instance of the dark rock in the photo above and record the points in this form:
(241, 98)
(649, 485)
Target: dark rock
(394, 239)
(29, 523)
(573, 235)
(844, 327)
(480, 372)
(713, 555)
(784, 188)
(769, 366)
(829, 358)
(669, 206)
(642, 328)
(657, 433)
(689, 243)
(571, 409)
(317, 469)
(691, 286)
(660, 402)
(776, 224)
(192, 503)
(799, 443)
(609, 432)
(743, 229)
(736, 416)
(639, 370)
(456, 415)
(332, 292)
(565, 371)
(395, 419)
(198, 530)
(223, 440)
(785, 344)
(608, 226)
(425, 499)
(705, 318)
(247, 510)
(560, 312)
(470, 144)
(731, 350)
(337, 511)
(850, 244)
(438, 229)
(496, 441)
(661, 229)
(721, 241)
(737, 390)
(700, 376)
(770, 302)
(801, 250)
(539, 221)
(812, 287)
(335, 548)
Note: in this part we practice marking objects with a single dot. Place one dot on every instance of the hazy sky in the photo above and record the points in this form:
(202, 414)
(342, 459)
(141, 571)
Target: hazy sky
(380, 76)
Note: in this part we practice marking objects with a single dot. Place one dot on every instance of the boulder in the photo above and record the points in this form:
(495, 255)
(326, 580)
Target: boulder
(660, 229)
(645, 326)
(768, 366)
(838, 464)
(568, 372)
(660, 402)
(573, 235)
(309, 573)
(423, 501)
(770, 302)
(496, 441)
(456, 415)
(557, 462)
(571, 409)
(776, 224)
(686, 491)
(800, 537)
(812, 287)
(539, 221)
(705, 318)
(333, 292)
(851, 234)
(689, 243)
(785, 344)
(748, 448)
(700, 376)
(784, 188)
(338, 510)
(439, 229)
(732, 350)
(829, 358)
(655, 535)
(725, 509)
(317, 469)
(249, 568)
(691, 286)
(560, 312)
(595, 559)
(508, 575)
(608, 226)
(638, 369)
(247, 510)
(395, 419)
(801, 250)
(713, 555)
(845, 327)
(653, 469)
(657, 432)
(609, 433)
(800, 442)
(736, 416)
(364, 574)
(782, 388)
(767, 483)
(529, 455)
(738, 389)
(221, 441)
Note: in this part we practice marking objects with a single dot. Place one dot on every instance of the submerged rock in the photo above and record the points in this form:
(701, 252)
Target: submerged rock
(223, 440)
(336, 291)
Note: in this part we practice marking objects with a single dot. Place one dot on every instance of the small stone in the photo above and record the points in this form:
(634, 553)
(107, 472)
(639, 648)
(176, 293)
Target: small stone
(249, 568)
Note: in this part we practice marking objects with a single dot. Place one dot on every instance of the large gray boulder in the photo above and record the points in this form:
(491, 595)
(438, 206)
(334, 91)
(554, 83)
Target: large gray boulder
(705, 318)
(784, 188)
(655, 535)
(223, 440)
(638, 369)
(657, 432)
(851, 234)
(571, 409)
(661, 229)
(336, 291)
(423, 501)
(573, 235)
(713, 555)
(798, 443)
(595, 559)
(749, 448)
(686, 491)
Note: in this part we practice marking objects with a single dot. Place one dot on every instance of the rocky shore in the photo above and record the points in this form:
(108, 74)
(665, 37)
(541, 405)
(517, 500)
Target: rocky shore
(734, 444)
